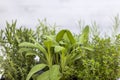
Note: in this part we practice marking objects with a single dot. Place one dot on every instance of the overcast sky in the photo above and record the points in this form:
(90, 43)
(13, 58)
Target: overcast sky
(65, 13)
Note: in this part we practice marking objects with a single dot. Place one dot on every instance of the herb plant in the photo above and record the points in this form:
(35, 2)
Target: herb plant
(48, 54)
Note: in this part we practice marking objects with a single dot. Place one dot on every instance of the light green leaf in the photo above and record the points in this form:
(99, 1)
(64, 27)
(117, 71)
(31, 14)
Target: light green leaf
(55, 72)
(59, 48)
(27, 44)
(50, 37)
(28, 51)
(52, 74)
(31, 45)
(35, 69)
(65, 38)
(41, 48)
(48, 43)
(21, 50)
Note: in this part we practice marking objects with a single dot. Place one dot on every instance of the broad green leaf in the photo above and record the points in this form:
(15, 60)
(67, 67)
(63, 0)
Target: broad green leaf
(50, 40)
(48, 43)
(66, 34)
(59, 48)
(60, 35)
(70, 36)
(55, 72)
(27, 44)
(52, 74)
(43, 76)
(35, 69)
(50, 37)
(41, 48)
(65, 38)
(28, 51)
(36, 45)
(24, 50)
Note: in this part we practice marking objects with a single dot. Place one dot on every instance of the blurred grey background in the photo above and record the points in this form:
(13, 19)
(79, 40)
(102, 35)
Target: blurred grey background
(65, 13)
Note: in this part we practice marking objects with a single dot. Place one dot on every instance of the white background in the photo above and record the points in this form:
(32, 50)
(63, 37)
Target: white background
(65, 13)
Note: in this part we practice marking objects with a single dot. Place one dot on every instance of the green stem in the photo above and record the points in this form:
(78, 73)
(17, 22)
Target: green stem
(63, 61)
(49, 58)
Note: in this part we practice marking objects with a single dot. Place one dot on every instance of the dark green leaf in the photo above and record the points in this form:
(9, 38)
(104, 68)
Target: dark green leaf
(70, 36)
(60, 35)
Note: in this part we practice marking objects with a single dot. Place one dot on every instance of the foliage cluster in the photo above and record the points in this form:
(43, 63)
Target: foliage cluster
(60, 55)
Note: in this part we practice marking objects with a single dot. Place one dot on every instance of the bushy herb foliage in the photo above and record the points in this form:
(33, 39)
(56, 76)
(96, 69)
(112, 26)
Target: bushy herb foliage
(15, 65)
(61, 55)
